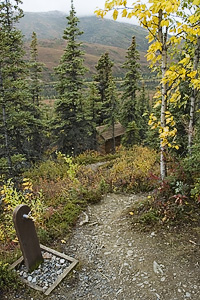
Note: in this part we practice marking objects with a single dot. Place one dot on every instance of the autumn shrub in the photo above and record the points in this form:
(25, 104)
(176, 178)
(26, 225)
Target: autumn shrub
(131, 171)
(91, 157)
(10, 199)
(174, 199)
(66, 196)
(60, 221)
(195, 191)
(62, 166)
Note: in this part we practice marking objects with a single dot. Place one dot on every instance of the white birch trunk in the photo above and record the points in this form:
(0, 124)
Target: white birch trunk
(163, 167)
(193, 99)
(163, 41)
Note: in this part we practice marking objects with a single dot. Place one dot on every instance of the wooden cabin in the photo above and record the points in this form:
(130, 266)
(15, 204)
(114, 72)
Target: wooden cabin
(104, 136)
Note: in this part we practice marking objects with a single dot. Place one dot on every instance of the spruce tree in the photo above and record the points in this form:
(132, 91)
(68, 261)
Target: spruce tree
(93, 108)
(35, 87)
(130, 85)
(142, 113)
(102, 79)
(112, 110)
(35, 71)
(16, 118)
(70, 127)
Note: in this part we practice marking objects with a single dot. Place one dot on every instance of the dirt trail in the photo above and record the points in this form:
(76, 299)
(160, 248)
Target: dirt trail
(117, 262)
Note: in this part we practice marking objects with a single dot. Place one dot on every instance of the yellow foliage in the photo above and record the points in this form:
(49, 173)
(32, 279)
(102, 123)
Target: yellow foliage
(196, 2)
(164, 23)
(192, 74)
(131, 170)
(115, 14)
(124, 13)
(158, 103)
(156, 23)
(11, 198)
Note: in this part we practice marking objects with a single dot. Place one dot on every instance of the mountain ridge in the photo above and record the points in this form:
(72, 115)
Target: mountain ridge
(100, 36)
(51, 25)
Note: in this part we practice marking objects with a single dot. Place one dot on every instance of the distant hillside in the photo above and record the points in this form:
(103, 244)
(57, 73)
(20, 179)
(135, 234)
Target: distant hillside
(50, 52)
(100, 35)
(50, 25)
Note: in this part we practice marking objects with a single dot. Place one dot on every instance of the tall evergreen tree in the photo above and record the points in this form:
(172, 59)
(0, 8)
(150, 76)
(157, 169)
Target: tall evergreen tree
(130, 85)
(35, 87)
(112, 110)
(142, 113)
(102, 79)
(16, 119)
(93, 109)
(70, 125)
(35, 71)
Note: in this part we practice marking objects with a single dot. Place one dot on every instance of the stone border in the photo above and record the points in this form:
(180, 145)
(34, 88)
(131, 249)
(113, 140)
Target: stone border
(60, 277)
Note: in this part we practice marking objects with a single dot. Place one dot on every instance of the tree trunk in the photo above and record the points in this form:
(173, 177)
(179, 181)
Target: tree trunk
(6, 139)
(113, 136)
(193, 99)
(8, 157)
(163, 167)
(163, 41)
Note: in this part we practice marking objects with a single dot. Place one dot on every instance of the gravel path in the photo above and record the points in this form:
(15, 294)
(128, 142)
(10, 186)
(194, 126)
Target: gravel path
(117, 262)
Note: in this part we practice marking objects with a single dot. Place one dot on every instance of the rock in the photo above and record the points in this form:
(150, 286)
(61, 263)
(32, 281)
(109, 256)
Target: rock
(47, 255)
(62, 261)
(162, 279)
(34, 280)
(129, 253)
(30, 278)
(107, 253)
(59, 272)
(85, 221)
(188, 295)
(157, 268)
(152, 234)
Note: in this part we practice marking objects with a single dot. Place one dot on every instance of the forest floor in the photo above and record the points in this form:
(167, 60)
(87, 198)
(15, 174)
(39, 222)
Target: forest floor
(119, 262)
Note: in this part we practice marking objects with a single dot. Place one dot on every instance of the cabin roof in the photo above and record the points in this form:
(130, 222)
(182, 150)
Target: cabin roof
(105, 131)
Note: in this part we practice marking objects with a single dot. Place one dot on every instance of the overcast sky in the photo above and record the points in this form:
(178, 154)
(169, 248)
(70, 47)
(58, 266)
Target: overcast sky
(82, 7)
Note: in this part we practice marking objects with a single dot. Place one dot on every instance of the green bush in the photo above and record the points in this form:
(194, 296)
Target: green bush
(8, 278)
(150, 217)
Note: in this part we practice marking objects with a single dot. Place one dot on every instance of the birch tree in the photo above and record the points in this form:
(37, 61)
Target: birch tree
(191, 30)
(159, 18)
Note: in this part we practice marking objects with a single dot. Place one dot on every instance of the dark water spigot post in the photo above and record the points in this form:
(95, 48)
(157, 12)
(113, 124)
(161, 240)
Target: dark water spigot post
(27, 236)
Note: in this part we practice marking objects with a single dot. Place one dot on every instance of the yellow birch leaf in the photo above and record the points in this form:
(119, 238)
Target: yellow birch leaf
(196, 2)
(172, 123)
(164, 218)
(124, 13)
(115, 14)
(168, 7)
(164, 23)
(158, 103)
(15, 240)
